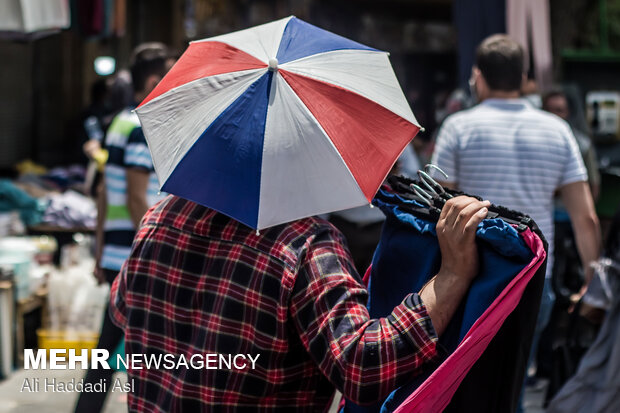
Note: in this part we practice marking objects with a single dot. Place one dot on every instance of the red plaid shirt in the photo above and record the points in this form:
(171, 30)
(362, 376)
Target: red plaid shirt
(198, 282)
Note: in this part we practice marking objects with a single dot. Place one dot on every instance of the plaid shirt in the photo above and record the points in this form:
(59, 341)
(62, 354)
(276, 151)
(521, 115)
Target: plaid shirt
(198, 282)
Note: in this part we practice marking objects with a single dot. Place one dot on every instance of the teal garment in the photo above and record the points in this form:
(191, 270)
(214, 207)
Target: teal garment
(119, 351)
(14, 199)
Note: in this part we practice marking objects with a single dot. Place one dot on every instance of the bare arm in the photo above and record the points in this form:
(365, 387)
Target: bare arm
(577, 200)
(101, 202)
(456, 233)
(137, 185)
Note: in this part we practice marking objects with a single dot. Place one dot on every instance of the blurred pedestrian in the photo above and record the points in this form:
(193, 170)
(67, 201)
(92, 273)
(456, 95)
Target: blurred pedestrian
(131, 188)
(507, 151)
(556, 102)
(595, 387)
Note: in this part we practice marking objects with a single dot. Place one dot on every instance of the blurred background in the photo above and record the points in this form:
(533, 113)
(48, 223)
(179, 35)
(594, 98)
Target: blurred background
(65, 62)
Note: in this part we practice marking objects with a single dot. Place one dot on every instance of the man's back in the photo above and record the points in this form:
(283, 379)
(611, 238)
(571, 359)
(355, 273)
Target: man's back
(511, 154)
(287, 301)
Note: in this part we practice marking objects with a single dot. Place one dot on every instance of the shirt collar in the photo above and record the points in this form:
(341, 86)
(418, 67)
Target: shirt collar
(508, 104)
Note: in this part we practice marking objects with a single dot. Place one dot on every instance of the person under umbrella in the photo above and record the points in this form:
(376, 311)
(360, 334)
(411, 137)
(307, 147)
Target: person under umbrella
(263, 129)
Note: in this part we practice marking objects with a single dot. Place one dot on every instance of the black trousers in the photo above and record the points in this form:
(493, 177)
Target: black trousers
(109, 339)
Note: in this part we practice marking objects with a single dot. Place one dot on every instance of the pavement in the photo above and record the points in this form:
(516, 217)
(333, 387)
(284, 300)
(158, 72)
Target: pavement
(14, 400)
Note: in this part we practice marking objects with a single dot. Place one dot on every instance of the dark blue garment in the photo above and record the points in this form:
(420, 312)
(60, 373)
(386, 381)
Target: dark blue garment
(474, 21)
(408, 256)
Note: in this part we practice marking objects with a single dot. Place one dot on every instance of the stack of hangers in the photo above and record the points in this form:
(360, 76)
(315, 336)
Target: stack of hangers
(482, 356)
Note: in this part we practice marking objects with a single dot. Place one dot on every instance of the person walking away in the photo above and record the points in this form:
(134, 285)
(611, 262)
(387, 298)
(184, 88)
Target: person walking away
(286, 301)
(506, 151)
(130, 188)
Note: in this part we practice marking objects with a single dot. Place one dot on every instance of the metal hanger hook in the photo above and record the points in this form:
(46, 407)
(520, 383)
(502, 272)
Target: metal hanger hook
(422, 194)
(429, 166)
(430, 183)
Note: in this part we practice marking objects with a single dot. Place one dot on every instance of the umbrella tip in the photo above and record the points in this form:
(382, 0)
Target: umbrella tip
(257, 233)
(273, 64)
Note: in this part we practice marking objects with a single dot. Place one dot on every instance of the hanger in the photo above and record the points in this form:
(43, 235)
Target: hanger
(433, 197)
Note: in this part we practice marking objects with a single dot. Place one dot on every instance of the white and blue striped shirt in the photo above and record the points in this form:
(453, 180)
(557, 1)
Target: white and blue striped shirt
(512, 154)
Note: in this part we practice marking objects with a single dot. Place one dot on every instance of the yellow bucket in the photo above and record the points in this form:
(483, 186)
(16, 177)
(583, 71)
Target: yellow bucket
(66, 340)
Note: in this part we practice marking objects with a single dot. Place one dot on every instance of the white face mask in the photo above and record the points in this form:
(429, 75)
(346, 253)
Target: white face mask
(472, 90)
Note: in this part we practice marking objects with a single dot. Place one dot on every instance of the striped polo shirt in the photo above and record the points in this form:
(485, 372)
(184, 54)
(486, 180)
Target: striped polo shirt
(512, 154)
(127, 150)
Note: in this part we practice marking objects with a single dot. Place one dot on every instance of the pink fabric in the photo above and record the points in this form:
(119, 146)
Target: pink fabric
(436, 392)
(366, 277)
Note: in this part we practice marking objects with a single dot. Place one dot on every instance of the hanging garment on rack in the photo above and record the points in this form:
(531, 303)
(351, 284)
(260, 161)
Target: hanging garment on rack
(529, 23)
(490, 335)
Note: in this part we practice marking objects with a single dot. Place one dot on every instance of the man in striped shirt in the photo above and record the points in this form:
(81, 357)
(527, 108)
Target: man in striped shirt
(512, 154)
(131, 187)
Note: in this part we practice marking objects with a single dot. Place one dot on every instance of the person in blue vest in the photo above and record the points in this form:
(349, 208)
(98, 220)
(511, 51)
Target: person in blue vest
(131, 187)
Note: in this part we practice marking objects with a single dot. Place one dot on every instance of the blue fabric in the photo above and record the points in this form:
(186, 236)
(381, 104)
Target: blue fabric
(13, 198)
(301, 39)
(223, 169)
(408, 256)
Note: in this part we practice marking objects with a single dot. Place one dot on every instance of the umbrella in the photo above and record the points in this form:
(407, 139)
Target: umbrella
(277, 122)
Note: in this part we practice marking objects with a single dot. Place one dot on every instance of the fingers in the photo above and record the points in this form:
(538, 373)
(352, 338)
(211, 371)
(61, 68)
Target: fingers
(475, 219)
(462, 213)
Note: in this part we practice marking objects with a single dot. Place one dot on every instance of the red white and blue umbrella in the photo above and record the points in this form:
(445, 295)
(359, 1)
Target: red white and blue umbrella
(277, 122)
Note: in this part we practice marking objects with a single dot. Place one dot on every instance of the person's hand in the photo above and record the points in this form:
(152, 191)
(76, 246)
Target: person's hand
(91, 147)
(456, 233)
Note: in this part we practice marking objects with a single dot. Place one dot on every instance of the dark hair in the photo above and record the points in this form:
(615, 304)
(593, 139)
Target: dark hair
(148, 59)
(500, 60)
(553, 93)
(99, 91)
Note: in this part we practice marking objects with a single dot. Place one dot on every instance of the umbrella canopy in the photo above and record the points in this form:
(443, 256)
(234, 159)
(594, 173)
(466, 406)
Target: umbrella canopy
(277, 122)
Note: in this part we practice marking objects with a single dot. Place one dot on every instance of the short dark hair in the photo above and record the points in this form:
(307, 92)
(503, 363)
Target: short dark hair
(500, 60)
(553, 93)
(147, 59)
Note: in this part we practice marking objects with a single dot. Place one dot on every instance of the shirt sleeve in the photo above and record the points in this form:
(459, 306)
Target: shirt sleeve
(137, 153)
(117, 308)
(445, 153)
(365, 359)
(574, 169)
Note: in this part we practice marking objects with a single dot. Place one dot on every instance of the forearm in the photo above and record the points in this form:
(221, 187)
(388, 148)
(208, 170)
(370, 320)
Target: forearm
(588, 238)
(137, 207)
(137, 188)
(577, 199)
(442, 296)
(364, 358)
(101, 203)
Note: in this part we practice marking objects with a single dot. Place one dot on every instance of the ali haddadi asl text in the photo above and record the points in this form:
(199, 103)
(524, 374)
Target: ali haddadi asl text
(54, 385)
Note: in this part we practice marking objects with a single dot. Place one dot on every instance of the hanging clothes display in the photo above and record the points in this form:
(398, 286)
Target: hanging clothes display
(28, 16)
(529, 23)
(490, 334)
(91, 16)
(474, 21)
